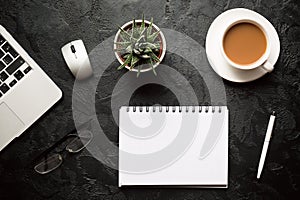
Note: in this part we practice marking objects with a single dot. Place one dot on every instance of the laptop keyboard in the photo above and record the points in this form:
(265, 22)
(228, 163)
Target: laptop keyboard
(12, 67)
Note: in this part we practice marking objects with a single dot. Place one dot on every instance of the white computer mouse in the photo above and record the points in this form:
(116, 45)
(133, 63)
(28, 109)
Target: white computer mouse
(77, 59)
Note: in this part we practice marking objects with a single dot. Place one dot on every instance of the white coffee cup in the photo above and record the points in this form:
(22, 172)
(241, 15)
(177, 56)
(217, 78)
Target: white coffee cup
(262, 61)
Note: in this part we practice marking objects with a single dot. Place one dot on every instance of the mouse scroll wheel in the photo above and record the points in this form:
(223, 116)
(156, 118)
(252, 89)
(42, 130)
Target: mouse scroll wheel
(73, 49)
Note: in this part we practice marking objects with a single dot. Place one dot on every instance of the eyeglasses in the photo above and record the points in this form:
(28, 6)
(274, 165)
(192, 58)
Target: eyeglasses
(51, 161)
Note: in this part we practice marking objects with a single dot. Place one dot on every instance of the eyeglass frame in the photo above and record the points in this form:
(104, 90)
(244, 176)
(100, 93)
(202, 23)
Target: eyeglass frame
(56, 144)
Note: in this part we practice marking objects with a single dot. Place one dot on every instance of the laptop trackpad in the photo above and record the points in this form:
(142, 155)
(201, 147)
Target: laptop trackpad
(10, 125)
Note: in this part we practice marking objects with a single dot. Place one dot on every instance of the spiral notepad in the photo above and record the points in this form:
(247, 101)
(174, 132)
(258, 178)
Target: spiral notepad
(173, 146)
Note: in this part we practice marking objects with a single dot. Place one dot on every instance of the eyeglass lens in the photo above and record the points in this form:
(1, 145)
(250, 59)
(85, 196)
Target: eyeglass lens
(49, 164)
(79, 142)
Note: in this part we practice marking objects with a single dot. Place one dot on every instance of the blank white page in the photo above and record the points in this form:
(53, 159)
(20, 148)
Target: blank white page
(173, 146)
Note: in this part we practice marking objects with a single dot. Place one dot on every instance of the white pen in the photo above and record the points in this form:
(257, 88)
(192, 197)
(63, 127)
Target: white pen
(266, 144)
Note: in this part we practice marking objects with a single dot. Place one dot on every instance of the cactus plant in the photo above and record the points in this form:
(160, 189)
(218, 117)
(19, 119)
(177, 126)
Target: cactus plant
(139, 45)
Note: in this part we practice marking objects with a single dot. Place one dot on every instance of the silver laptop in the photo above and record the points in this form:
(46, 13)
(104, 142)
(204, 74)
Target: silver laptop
(26, 92)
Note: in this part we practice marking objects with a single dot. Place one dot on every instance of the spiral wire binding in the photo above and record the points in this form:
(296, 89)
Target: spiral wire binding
(206, 109)
(193, 108)
(159, 108)
(174, 109)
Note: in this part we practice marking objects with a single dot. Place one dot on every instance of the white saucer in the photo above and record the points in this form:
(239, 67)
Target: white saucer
(214, 38)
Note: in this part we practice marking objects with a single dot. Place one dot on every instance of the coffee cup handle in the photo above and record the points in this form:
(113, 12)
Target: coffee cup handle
(268, 66)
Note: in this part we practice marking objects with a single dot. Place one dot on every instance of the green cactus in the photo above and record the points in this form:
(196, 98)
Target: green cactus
(139, 45)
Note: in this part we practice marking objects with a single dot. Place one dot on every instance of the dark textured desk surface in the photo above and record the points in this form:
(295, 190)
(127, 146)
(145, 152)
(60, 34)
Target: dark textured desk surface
(42, 27)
